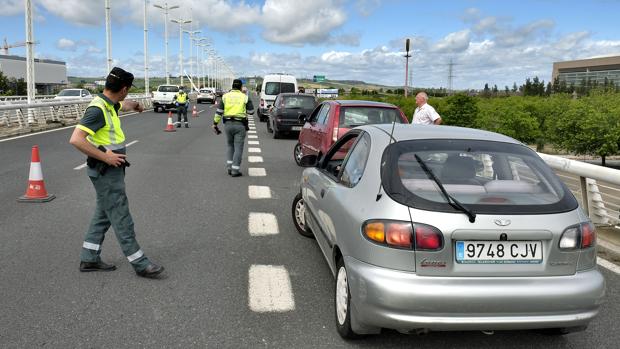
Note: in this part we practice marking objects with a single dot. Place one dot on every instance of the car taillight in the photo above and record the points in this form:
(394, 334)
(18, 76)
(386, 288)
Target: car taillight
(427, 238)
(262, 103)
(391, 233)
(335, 134)
(578, 236)
(402, 235)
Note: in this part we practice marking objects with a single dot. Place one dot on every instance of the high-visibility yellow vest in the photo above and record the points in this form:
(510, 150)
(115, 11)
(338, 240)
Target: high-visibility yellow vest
(181, 97)
(111, 135)
(234, 104)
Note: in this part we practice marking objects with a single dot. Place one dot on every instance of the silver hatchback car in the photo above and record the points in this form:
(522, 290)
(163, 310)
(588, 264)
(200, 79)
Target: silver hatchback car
(446, 228)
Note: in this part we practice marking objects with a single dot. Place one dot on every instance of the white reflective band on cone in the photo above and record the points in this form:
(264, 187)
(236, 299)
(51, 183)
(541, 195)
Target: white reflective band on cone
(35, 172)
(135, 256)
(91, 246)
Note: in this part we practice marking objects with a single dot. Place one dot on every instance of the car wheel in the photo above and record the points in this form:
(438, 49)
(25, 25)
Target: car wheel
(297, 154)
(342, 302)
(299, 216)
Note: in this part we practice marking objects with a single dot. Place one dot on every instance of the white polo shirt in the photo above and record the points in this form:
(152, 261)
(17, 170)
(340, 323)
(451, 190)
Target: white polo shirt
(425, 114)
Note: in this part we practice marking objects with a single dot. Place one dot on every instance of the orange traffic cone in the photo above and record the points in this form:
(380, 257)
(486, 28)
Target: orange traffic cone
(36, 186)
(170, 126)
(194, 112)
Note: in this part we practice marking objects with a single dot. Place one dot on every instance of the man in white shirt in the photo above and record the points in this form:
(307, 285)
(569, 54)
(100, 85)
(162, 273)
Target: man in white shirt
(424, 113)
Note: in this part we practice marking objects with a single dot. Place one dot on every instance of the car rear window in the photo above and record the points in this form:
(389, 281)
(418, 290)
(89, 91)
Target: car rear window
(276, 87)
(300, 102)
(485, 176)
(357, 116)
(69, 93)
(168, 89)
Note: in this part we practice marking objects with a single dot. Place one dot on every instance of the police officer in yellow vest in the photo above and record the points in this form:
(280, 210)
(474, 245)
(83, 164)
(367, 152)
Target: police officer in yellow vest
(182, 104)
(100, 137)
(233, 109)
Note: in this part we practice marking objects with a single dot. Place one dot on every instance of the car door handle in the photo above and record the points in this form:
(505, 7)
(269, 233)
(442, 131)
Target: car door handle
(322, 193)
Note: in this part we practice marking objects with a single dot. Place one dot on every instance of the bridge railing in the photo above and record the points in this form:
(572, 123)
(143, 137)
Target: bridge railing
(41, 113)
(596, 188)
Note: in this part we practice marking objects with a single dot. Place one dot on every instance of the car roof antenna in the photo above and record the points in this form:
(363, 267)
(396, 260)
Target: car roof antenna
(379, 194)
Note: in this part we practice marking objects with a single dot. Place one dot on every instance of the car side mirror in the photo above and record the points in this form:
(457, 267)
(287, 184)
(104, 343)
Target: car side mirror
(309, 160)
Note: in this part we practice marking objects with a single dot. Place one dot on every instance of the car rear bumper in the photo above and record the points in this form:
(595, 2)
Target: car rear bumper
(288, 127)
(405, 301)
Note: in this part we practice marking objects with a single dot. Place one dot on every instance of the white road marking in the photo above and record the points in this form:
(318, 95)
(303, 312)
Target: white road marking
(253, 150)
(608, 265)
(84, 164)
(252, 136)
(270, 289)
(259, 192)
(257, 172)
(261, 224)
(253, 142)
(255, 159)
(252, 131)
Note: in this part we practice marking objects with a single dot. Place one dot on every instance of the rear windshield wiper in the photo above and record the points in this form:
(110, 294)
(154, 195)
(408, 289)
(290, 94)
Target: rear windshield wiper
(449, 198)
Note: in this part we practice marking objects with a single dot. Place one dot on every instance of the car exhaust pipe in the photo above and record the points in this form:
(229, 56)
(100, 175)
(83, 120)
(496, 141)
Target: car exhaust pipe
(488, 332)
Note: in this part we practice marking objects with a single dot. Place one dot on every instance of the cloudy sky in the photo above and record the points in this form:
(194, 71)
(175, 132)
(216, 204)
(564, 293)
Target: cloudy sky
(499, 42)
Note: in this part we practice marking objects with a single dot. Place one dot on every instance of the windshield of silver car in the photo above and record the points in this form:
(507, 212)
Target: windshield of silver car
(488, 177)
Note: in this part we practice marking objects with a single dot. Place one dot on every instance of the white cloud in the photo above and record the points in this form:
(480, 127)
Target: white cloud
(295, 22)
(454, 42)
(65, 44)
(12, 7)
(367, 7)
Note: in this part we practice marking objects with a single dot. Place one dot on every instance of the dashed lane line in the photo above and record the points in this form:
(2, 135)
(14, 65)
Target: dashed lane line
(254, 150)
(252, 136)
(270, 289)
(255, 159)
(262, 224)
(257, 172)
(253, 142)
(259, 192)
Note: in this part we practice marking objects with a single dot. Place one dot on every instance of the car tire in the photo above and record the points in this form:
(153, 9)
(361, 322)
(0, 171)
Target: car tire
(297, 154)
(298, 212)
(342, 302)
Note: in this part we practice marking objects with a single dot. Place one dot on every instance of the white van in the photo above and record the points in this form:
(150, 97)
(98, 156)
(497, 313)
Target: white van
(273, 85)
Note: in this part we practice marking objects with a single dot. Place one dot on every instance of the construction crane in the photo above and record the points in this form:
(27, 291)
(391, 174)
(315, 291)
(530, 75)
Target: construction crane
(6, 46)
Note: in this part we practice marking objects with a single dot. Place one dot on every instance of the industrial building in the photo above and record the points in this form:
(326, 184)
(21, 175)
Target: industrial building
(592, 69)
(49, 75)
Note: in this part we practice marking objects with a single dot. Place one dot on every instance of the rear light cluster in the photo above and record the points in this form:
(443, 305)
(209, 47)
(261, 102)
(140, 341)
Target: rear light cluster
(579, 236)
(404, 235)
(262, 103)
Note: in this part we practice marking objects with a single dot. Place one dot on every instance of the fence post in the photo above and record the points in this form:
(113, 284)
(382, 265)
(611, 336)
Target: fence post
(596, 207)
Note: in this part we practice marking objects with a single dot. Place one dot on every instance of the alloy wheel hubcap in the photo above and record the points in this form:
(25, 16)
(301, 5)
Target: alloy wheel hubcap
(298, 152)
(300, 210)
(342, 295)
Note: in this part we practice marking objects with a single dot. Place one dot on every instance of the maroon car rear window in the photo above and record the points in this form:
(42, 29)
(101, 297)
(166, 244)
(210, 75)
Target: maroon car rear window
(357, 116)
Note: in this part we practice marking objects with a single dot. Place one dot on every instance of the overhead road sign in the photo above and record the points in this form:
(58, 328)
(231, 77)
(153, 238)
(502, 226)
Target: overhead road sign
(318, 78)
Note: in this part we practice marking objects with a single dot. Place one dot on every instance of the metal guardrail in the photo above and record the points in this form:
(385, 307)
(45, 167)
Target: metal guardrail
(24, 116)
(597, 188)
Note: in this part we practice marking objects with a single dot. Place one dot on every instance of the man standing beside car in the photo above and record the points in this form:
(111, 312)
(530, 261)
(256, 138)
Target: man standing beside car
(233, 108)
(425, 114)
(182, 104)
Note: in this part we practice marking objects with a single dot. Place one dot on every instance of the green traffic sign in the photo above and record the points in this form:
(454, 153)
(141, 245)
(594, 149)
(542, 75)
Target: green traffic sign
(318, 78)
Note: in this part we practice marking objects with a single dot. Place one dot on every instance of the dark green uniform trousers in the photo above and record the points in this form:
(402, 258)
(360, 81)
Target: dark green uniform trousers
(235, 139)
(112, 210)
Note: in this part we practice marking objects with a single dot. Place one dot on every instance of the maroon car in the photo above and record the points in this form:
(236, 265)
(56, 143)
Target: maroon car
(333, 118)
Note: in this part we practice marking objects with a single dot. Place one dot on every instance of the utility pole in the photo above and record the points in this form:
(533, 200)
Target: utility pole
(146, 53)
(180, 22)
(407, 55)
(450, 76)
(108, 37)
(166, 9)
(30, 86)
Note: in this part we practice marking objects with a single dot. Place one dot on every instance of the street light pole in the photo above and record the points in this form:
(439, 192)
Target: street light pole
(191, 49)
(180, 22)
(166, 9)
(146, 53)
(108, 32)
(30, 86)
